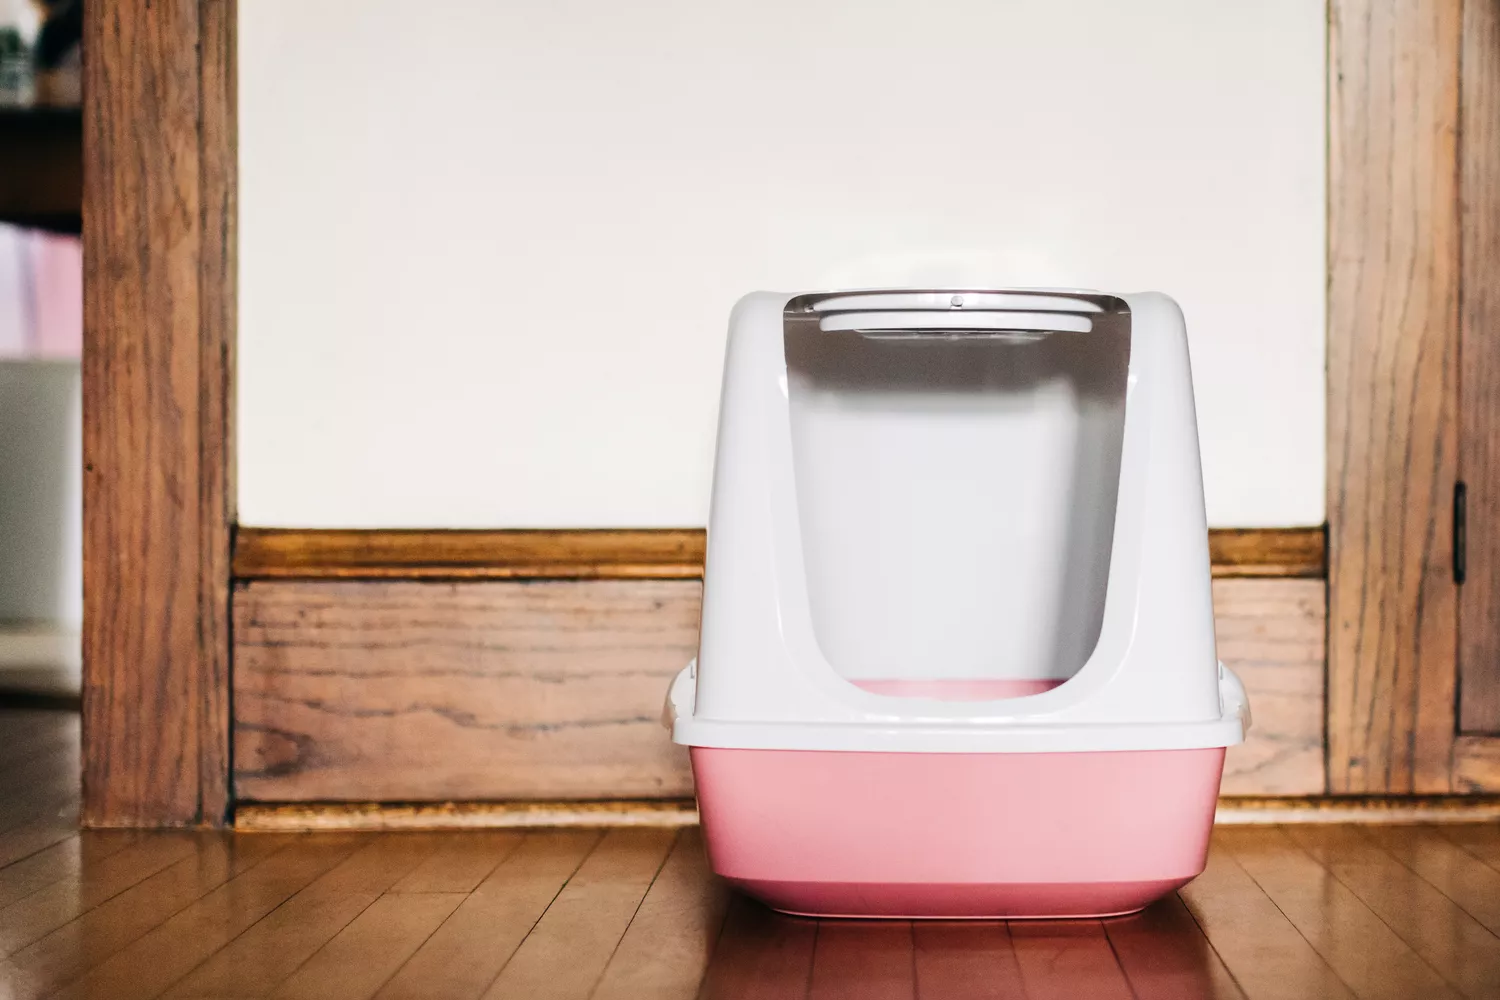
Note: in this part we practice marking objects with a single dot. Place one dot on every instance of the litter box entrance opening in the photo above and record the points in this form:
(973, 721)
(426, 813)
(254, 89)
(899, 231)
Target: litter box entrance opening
(956, 480)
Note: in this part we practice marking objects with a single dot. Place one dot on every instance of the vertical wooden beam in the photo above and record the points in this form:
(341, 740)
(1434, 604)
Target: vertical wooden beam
(1479, 457)
(218, 148)
(158, 321)
(1392, 386)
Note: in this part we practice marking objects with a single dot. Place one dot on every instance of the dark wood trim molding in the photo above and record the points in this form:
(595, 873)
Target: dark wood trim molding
(620, 554)
(1393, 344)
(606, 554)
(1259, 552)
(158, 205)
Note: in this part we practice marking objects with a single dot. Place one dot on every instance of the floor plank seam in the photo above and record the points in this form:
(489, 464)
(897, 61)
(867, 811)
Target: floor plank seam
(1493, 866)
(1302, 934)
(87, 910)
(1203, 932)
(397, 970)
(394, 891)
(1426, 881)
(604, 971)
(1124, 972)
(916, 987)
(514, 847)
(254, 923)
(41, 888)
(1410, 945)
(519, 944)
(812, 960)
(63, 834)
(713, 952)
(85, 970)
(319, 949)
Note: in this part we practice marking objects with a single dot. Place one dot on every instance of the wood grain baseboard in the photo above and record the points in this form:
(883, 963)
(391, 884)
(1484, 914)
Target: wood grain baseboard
(329, 817)
(621, 554)
(1371, 809)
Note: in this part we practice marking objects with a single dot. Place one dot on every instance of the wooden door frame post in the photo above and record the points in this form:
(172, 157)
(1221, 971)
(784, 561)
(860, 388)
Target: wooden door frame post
(158, 233)
(1393, 365)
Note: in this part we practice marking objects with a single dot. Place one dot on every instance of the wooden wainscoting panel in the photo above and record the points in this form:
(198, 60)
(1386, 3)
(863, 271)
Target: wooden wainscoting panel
(400, 691)
(369, 691)
(1393, 80)
(1272, 633)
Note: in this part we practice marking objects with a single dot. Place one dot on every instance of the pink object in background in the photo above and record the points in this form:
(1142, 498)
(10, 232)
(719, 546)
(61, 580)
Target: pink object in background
(57, 280)
(41, 294)
(933, 835)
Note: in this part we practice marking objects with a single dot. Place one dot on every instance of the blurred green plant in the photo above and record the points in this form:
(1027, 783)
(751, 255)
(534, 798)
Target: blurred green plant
(15, 65)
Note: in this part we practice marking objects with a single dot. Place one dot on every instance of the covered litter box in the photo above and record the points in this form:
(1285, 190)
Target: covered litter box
(957, 656)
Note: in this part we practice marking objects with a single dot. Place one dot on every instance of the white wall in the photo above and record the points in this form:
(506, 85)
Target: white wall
(487, 249)
(41, 494)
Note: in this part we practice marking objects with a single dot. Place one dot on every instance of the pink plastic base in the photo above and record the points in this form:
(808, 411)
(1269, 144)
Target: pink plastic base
(957, 835)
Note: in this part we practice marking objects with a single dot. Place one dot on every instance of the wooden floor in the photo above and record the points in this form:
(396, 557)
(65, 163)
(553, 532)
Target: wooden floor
(1297, 912)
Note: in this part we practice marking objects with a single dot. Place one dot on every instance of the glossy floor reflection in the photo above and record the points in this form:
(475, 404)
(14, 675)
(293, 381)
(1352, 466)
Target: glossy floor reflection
(1160, 953)
(1371, 912)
